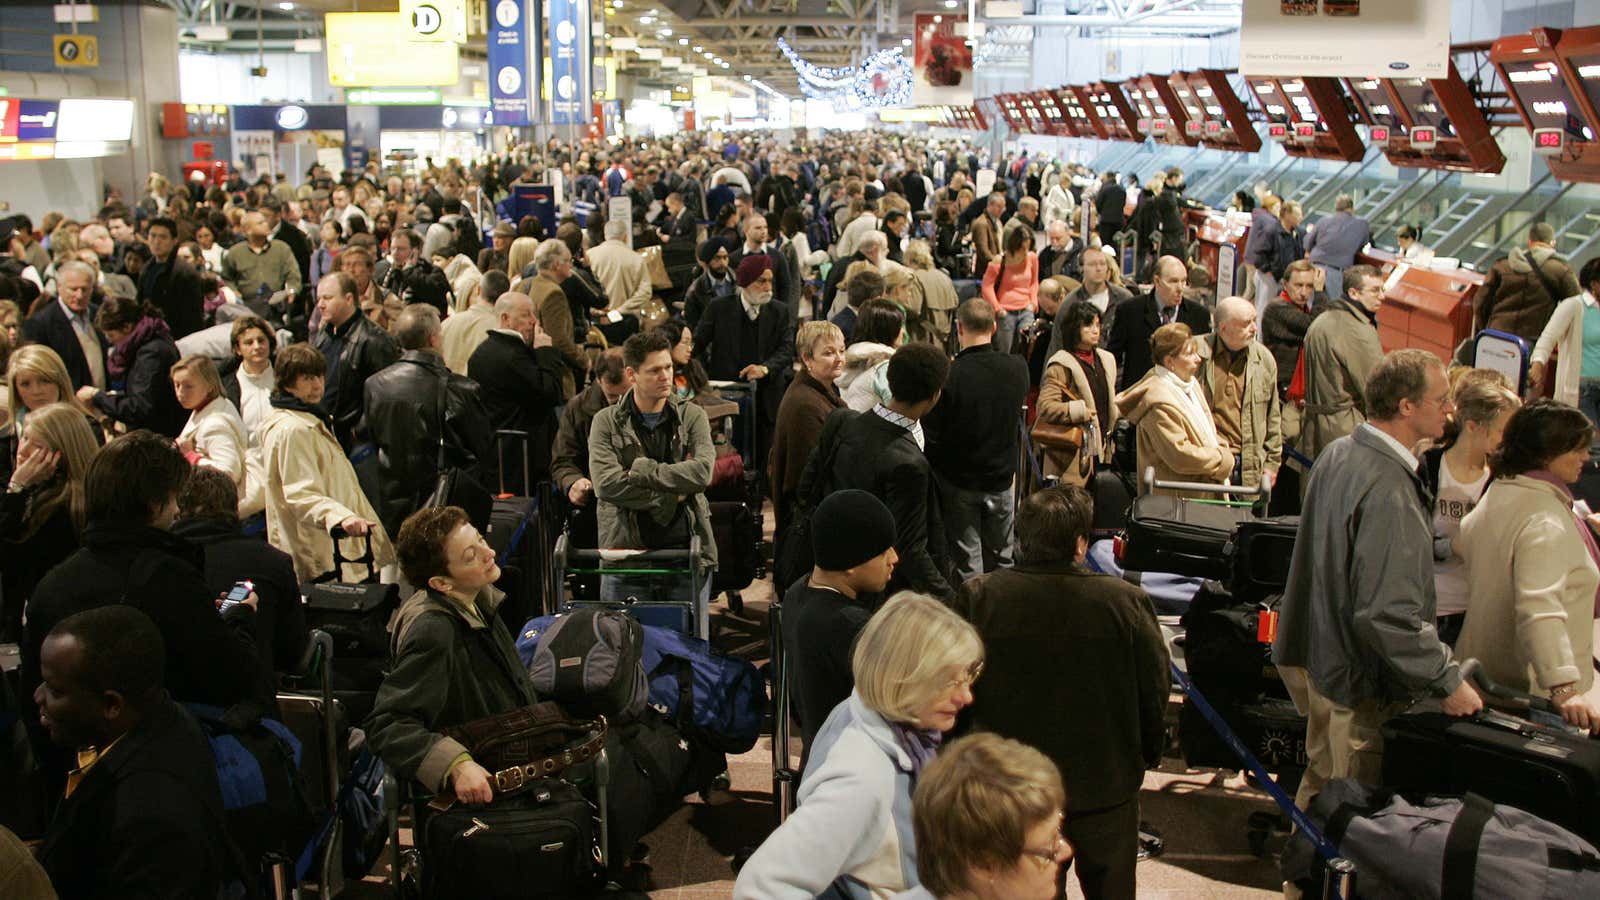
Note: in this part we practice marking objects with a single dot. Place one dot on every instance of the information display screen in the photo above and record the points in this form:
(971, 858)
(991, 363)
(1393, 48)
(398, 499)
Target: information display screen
(1544, 96)
(1422, 104)
(1588, 66)
(1374, 101)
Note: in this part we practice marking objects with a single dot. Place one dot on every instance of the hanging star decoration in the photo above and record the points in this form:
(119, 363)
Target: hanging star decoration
(883, 80)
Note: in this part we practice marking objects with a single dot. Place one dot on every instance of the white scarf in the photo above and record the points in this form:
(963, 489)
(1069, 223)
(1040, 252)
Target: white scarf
(1197, 410)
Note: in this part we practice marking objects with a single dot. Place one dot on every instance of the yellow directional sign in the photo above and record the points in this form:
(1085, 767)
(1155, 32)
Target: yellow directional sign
(77, 50)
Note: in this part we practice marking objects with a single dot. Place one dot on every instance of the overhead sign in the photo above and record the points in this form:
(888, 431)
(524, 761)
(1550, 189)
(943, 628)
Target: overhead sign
(77, 51)
(569, 71)
(436, 21)
(513, 81)
(393, 97)
(1391, 38)
(92, 119)
(381, 50)
(942, 61)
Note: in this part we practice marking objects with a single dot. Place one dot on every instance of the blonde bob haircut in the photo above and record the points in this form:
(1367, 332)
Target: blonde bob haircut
(812, 334)
(521, 254)
(1168, 340)
(907, 653)
(41, 362)
(974, 806)
(203, 368)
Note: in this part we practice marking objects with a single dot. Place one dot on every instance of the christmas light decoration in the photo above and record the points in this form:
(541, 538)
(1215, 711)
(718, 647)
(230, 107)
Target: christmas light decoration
(884, 79)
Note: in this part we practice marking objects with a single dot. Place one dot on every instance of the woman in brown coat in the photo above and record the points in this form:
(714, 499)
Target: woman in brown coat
(807, 402)
(1177, 435)
(1079, 388)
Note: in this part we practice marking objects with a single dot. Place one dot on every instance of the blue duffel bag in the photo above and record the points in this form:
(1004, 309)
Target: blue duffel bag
(719, 699)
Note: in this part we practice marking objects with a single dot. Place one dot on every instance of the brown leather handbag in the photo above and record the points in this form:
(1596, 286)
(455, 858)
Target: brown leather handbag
(1060, 438)
(529, 743)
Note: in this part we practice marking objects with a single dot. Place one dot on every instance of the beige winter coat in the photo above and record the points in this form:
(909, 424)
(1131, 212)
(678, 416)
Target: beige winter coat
(1065, 398)
(312, 487)
(1169, 439)
(1530, 618)
(1341, 353)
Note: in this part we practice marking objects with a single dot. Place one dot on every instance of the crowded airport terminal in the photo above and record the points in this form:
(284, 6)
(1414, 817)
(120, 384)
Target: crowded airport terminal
(785, 449)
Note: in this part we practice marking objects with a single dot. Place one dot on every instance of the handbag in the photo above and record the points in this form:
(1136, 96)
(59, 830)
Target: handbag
(529, 743)
(540, 844)
(1054, 436)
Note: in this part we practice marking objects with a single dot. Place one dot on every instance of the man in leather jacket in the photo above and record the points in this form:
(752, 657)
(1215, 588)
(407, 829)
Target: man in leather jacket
(412, 408)
(355, 349)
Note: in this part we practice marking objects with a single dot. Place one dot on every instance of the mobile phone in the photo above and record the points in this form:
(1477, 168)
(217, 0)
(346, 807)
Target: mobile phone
(241, 590)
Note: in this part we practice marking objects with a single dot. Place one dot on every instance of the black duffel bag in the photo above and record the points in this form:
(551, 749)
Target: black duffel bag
(356, 615)
(539, 843)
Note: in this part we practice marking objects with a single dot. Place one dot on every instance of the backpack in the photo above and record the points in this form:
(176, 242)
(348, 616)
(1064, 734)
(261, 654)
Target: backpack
(720, 699)
(587, 660)
(266, 800)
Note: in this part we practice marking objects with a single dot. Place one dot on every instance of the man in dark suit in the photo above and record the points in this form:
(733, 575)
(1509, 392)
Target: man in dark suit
(747, 337)
(1110, 206)
(279, 230)
(1130, 332)
(142, 815)
(67, 326)
(679, 226)
(170, 283)
(519, 372)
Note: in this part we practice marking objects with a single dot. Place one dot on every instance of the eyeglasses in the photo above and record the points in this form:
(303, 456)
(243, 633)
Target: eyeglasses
(1053, 855)
(965, 679)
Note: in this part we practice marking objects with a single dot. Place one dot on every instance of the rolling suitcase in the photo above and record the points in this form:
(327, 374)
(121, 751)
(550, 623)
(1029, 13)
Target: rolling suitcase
(515, 536)
(1259, 553)
(1113, 495)
(1529, 759)
(738, 537)
(1182, 535)
(356, 616)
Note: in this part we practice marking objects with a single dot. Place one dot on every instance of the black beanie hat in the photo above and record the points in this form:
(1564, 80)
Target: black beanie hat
(708, 249)
(849, 528)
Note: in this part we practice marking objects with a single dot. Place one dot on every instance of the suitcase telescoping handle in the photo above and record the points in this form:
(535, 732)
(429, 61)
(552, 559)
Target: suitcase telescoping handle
(1508, 698)
(1257, 495)
(367, 558)
(500, 458)
(1340, 875)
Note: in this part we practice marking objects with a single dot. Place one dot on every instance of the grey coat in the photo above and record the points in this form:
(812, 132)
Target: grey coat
(629, 484)
(1359, 607)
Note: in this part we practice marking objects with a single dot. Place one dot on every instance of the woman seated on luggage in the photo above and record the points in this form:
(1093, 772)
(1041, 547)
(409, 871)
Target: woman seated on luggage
(1079, 383)
(311, 486)
(1533, 564)
(914, 664)
(1176, 434)
(987, 816)
(453, 659)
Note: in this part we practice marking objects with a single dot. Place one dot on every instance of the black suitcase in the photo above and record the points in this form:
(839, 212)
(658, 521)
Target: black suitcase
(1271, 728)
(1259, 553)
(1113, 495)
(356, 615)
(1544, 770)
(519, 542)
(738, 537)
(1181, 536)
(540, 843)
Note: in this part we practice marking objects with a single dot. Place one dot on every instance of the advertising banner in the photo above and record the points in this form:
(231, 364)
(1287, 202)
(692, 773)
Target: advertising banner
(569, 81)
(513, 82)
(1345, 38)
(942, 62)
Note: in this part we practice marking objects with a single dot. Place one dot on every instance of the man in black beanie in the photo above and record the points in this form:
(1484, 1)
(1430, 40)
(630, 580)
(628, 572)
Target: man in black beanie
(852, 540)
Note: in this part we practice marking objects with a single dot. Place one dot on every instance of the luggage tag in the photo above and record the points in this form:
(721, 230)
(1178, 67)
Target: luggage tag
(1266, 626)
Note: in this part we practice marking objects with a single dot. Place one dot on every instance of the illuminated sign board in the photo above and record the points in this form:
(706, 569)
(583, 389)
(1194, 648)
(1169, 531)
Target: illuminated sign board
(92, 119)
(379, 50)
(1278, 132)
(1424, 138)
(1549, 141)
(1379, 134)
(1305, 133)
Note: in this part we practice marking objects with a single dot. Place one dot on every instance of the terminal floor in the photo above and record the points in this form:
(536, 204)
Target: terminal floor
(1200, 812)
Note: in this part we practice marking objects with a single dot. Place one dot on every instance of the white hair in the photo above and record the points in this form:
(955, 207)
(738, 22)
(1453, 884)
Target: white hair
(616, 229)
(875, 239)
(550, 253)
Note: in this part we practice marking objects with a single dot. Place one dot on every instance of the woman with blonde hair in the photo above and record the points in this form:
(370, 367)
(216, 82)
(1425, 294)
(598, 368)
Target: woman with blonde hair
(42, 511)
(913, 664)
(214, 436)
(937, 295)
(520, 257)
(987, 815)
(36, 377)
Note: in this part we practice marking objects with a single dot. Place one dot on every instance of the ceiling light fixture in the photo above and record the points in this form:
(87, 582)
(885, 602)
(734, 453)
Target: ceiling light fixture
(683, 42)
(665, 32)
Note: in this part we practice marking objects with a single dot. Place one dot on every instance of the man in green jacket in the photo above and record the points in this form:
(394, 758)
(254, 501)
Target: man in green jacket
(651, 459)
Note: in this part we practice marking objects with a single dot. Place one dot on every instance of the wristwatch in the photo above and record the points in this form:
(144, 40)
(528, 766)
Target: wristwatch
(1562, 693)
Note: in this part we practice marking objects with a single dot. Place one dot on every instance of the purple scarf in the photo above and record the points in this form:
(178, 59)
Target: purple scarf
(921, 746)
(122, 354)
(1548, 477)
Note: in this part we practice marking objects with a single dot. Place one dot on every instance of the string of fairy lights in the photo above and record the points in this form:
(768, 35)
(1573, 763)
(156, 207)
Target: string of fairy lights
(882, 80)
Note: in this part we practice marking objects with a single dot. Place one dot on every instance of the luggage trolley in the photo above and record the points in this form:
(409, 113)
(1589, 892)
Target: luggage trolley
(690, 616)
(785, 779)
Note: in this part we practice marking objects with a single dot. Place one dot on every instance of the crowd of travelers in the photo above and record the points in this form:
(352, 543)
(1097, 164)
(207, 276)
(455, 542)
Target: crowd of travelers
(209, 384)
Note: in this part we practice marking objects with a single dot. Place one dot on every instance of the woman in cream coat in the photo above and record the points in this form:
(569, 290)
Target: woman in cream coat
(1531, 623)
(1564, 331)
(1176, 436)
(214, 436)
(1067, 396)
(311, 486)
